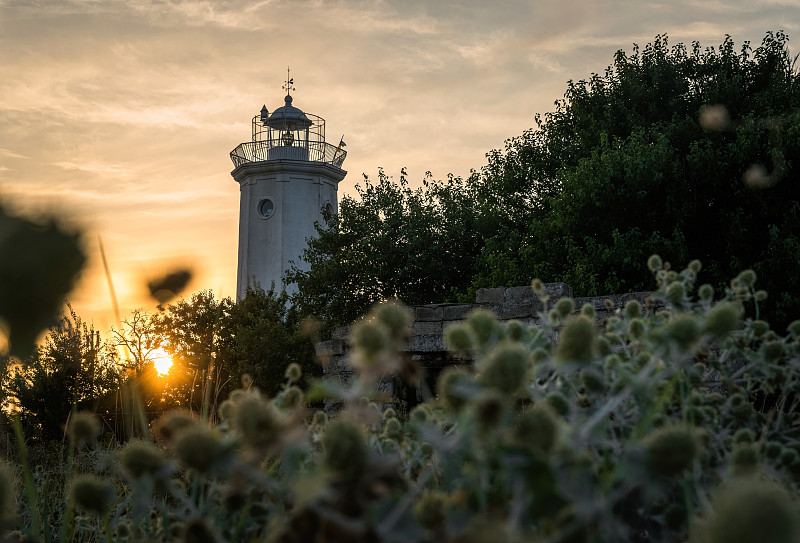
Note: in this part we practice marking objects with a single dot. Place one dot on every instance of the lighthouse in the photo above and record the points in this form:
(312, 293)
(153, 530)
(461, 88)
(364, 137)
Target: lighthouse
(288, 175)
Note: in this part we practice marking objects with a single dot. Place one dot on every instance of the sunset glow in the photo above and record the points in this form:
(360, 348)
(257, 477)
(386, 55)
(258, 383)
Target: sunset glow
(161, 360)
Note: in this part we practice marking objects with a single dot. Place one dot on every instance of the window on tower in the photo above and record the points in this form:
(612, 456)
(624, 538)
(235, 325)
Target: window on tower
(266, 208)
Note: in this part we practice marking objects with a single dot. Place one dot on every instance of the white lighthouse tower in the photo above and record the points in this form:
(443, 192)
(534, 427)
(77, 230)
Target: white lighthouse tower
(287, 174)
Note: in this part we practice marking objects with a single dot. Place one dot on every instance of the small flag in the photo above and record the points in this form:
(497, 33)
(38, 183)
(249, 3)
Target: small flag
(342, 143)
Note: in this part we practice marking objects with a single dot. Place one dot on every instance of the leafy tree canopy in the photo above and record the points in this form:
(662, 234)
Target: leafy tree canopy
(685, 152)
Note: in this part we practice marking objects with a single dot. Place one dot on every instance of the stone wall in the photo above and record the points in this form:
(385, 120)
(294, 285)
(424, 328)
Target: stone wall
(426, 345)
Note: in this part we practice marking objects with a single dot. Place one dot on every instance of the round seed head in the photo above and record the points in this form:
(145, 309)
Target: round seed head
(258, 423)
(723, 318)
(789, 457)
(759, 327)
(489, 409)
(459, 338)
(84, 428)
(636, 328)
(747, 278)
(389, 414)
(393, 429)
(706, 292)
(683, 330)
(396, 318)
(293, 372)
(92, 494)
(772, 449)
(345, 449)
(227, 410)
(515, 330)
(565, 306)
(744, 459)
(431, 509)
(483, 324)
(587, 310)
(538, 286)
(601, 346)
(447, 387)
(575, 341)
(293, 397)
(172, 423)
(141, 459)
(505, 368)
(744, 435)
(695, 266)
(794, 329)
(671, 450)
(633, 309)
(761, 295)
(675, 292)
(539, 354)
(654, 263)
(537, 429)
(370, 342)
(421, 413)
(200, 449)
(593, 379)
(752, 511)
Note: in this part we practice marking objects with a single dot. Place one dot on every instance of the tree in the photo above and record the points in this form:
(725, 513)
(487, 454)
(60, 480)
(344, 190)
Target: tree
(261, 335)
(418, 245)
(685, 152)
(73, 367)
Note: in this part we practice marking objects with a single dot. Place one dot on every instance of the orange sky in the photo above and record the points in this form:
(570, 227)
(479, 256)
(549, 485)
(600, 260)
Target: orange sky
(120, 115)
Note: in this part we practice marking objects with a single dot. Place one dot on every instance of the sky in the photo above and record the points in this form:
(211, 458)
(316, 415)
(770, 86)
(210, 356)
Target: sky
(119, 116)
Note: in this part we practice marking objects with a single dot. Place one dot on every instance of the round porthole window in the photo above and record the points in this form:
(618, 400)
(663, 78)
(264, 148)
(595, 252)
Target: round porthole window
(327, 208)
(266, 208)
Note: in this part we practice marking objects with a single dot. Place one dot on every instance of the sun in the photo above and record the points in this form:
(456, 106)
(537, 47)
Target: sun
(161, 360)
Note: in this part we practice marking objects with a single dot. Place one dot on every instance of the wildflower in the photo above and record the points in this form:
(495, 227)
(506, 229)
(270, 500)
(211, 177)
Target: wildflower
(558, 402)
(92, 494)
(537, 429)
(752, 511)
(489, 409)
(538, 286)
(515, 330)
(675, 292)
(345, 449)
(695, 266)
(772, 449)
(459, 338)
(671, 450)
(706, 292)
(747, 278)
(370, 342)
(293, 397)
(258, 422)
(636, 328)
(141, 459)
(794, 329)
(759, 327)
(293, 372)
(761, 295)
(389, 414)
(593, 379)
(483, 324)
(431, 509)
(565, 306)
(227, 410)
(396, 318)
(744, 459)
(200, 449)
(84, 428)
(633, 309)
(505, 368)
(172, 423)
(575, 341)
(773, 350)
(683, 330)
(654, 263)
(587, 310)
(421, 413)
(601, 346)
(447, 387)
(393, 429)
(723, 319)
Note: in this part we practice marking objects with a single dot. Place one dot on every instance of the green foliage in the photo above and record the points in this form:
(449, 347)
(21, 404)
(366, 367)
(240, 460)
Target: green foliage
(390, 241)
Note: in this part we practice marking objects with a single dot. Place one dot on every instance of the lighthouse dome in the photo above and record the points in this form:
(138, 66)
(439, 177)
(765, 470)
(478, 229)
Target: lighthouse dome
(288, 116)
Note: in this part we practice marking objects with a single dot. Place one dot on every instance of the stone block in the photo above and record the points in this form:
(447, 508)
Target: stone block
(424, 313)
(426, 328)
(558, 290)
(426, 344)
(341, 333)
(456, 312)
(519, 295)
(490, 295)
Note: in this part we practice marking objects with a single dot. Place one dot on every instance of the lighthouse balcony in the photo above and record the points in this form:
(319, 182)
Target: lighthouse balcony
(311, 151)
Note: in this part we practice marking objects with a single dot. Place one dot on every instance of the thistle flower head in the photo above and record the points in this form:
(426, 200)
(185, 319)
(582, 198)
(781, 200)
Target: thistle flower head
(293, 397)
(459, 338)
(227, 410)
(538, 287)
(505, 368)
(636, 328)
(759, 327)
(420, 413)
(558, 402)
(537, 429)
(633, 309)
(705, 292)
(575, 341)
(258, 422)
(683, 330)
(141, 459)
(431, 509)
(172, 423)
(92, 494)
(723, 318)
(675, 292)
(371, 341)
(515, 330)
(393, 429)
(293, 372)
(447, 387)
(483, 324)
(593, 379)
(396, 318)
(654, 263)
(671, 450)
(750, 510)
(747, 278)
(345, 449)
(744, 459)
(84, 428)
(320, 419)
(695, 266)
(200, 449)
(489, 409)
(564, 306)
(587, 310)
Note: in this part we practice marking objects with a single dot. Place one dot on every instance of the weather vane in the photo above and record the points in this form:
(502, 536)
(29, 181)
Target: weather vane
(289, 86)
